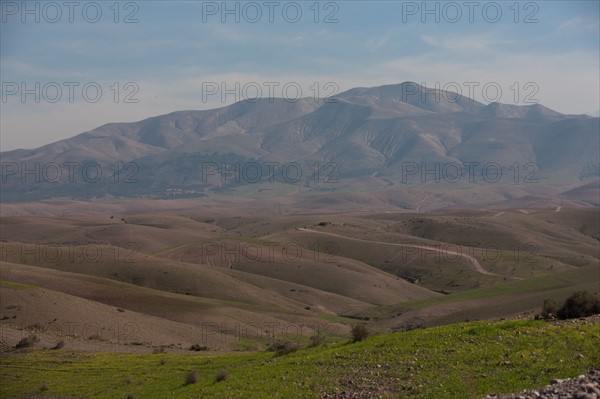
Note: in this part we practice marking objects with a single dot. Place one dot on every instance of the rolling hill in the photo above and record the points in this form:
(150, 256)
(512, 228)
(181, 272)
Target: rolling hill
(185, 271)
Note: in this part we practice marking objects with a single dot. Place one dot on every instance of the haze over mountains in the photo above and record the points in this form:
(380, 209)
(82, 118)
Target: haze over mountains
(394, 137)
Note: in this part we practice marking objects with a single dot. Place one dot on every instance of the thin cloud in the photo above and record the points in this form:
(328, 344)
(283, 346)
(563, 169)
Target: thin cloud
(579, 23)
(13, 68)
(376, 43)
(465, 44)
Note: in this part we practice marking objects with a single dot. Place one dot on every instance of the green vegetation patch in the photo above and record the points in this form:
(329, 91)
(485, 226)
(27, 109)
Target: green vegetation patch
(467, 360)
(16, 286)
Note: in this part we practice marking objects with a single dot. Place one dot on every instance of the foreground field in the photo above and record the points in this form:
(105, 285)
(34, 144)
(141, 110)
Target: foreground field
(467, 360)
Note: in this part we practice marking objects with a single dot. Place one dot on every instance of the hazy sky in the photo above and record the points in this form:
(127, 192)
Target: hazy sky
(68, 67)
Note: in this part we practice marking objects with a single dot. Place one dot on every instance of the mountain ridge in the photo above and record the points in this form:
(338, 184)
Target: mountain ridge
(376, 131)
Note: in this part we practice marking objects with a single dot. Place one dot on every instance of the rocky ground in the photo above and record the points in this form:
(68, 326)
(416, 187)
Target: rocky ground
(582, 387)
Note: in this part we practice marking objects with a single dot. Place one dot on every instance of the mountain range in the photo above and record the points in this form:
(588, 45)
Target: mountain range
(402, 136)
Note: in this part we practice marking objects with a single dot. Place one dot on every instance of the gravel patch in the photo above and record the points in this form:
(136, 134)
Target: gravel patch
(582, 387)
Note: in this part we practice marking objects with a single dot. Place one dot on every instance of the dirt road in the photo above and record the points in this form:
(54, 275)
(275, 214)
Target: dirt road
(472, 261)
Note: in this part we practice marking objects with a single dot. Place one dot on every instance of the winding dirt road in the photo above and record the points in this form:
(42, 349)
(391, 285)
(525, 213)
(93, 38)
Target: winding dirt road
(472, 261)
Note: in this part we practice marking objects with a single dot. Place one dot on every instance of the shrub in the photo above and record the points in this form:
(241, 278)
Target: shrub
(221, 375)
(283, 347)
(59, 345)
(27, 342)
(549, 309)
(359, 332)
(316, 340)
(580, 304)
(191, 378)
(36, 327)
(198, 348)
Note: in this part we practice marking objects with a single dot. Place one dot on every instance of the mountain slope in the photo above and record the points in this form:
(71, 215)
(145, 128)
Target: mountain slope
(361, 133)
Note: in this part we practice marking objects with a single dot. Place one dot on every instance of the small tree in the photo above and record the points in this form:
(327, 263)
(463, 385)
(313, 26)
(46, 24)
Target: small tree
(359, 332)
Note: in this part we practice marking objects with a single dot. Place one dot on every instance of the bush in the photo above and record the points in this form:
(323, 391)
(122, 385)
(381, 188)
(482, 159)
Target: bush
(198, 348)
(221, 375)
(316, 340)
(359, 332)
(59, 345)
(549, 309)
(283, 347)
(28, 342)
(191, 378)
(580, 304)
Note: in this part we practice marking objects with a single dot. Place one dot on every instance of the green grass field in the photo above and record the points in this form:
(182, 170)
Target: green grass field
(467, 360)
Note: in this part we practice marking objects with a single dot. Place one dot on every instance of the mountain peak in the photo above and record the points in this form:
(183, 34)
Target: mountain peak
(369, 132)
(418, 96)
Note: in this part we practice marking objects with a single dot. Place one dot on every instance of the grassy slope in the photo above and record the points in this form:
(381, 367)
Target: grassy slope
(461, 360)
